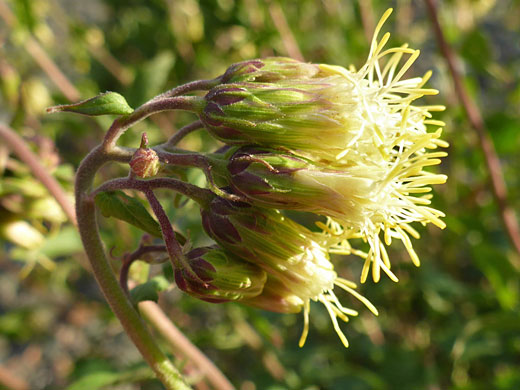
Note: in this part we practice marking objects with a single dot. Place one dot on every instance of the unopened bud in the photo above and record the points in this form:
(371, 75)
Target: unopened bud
(219, 276)
(145, 161)
(267, 70)
(280, 246)
(276, 297)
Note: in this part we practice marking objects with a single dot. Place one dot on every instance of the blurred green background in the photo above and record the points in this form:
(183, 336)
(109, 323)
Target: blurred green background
(454, 323)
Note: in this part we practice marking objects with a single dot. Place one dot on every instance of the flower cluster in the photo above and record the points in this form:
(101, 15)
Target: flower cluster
(350, 146)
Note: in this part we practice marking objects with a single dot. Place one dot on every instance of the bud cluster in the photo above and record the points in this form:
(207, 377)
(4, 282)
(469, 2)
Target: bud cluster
(349, 146)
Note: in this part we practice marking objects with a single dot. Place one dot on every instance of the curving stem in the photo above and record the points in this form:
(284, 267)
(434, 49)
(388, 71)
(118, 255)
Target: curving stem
(115, 296)
(88, 229)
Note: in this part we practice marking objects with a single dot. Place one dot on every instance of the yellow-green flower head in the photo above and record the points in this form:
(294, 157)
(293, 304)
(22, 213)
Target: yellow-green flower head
(365, 201)
(289, 253)
(327, 112)
(362, 145)
(218, 276)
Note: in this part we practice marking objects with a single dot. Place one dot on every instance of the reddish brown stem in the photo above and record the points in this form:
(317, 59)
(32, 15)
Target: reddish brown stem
(174, 140)
(20, 148)
(498, 183)
(131, 257)
(34, 49)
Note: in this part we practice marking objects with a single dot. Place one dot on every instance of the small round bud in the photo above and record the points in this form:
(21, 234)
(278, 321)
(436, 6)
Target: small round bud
(145, 163)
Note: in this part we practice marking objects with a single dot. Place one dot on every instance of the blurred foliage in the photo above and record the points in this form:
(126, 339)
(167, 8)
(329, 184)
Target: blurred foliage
(453, 323)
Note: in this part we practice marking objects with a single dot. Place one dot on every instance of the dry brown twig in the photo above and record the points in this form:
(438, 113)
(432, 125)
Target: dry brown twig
(280, 22)
(39, 55)
(20, 148)
(496, 175)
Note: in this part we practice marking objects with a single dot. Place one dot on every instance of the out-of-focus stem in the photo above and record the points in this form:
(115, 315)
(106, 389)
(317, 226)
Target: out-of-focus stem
(498, 183)
(280, 22)
(367, 18)
(181, 343)
(20, 148)
(44, 61)
(9, 381)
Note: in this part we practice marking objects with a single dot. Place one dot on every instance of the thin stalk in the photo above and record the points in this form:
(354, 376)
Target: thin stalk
(183, 132)
(198, 85)
(173, 247)
(129, 259)
(200, 195)
(195, 160)
(120, 125)
(115, 296)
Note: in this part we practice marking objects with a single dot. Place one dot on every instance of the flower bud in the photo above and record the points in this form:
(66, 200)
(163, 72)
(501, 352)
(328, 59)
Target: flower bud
(276, 297)
(293, 257)
(276, 179)
(277, 244)
(145, 163)
(268, 70)
(220, 276)
(308, 114)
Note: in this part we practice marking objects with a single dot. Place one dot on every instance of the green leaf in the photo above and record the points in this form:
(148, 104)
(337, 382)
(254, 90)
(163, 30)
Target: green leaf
(95, 380)
(151, 77)
(104, 377)
(108, 103)
(64, 243)
(149, 291)
(121, 206)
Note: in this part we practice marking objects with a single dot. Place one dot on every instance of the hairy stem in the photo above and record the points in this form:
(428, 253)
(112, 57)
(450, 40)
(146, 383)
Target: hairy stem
(183, 132)
(172, 245)
(198, 85)
(115, 296)
(129, 259)
(200, 195)
(120, 125)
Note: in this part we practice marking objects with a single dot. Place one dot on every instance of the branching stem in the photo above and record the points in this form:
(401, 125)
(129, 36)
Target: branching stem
(129, 259)
(120, 125)
(183, 132)
(88, 228)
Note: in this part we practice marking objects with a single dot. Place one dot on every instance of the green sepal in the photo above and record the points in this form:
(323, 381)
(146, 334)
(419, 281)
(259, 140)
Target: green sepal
(149, 291)
(108, 103)
(121, 206)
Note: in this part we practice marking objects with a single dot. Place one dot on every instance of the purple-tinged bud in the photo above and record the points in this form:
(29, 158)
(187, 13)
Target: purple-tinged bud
(270, 178)
(280, 246)
(267, 70)
(145, 161)
(222, 277)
